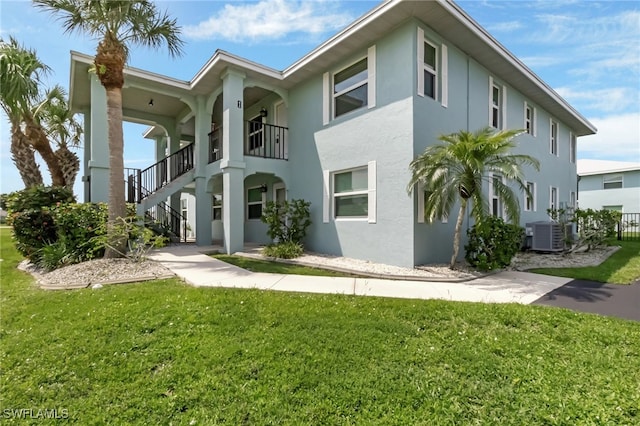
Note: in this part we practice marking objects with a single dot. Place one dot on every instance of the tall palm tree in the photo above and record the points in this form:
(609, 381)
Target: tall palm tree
(456, 170)
(117, 24)
(20, 77)
(62, 128)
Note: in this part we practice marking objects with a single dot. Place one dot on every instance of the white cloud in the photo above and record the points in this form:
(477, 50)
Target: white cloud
(613, 99)
(618, 138)
(268, 19)
(505, 27)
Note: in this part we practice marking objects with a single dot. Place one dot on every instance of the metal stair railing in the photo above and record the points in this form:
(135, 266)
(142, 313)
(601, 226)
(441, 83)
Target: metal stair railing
(161, 173)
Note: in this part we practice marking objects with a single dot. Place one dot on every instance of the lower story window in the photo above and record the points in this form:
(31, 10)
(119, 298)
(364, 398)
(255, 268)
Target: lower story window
(254, 203)
(217, 207)
(350, 193)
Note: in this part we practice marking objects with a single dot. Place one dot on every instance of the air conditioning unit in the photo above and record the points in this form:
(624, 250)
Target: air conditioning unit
(548, 236)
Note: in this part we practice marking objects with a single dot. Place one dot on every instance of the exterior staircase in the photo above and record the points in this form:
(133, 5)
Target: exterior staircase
(149, 188)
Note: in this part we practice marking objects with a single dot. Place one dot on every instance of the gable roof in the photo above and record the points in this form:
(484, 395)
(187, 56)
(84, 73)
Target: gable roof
(443, 16)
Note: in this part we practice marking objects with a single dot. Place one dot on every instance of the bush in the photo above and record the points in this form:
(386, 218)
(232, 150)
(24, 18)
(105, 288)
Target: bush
(32, 230)
(37, 197)
(594, 227)
(78, 225)
(285, 250)
(287, 221)
(493, 243)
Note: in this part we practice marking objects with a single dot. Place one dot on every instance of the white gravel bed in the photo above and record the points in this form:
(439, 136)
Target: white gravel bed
(98, 271)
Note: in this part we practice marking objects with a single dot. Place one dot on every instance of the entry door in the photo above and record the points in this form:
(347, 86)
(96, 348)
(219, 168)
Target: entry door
(282, 121)
(279, 193)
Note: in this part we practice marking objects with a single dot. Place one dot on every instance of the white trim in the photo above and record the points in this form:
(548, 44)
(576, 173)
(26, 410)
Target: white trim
(333, 96)
(533, 196)
(532, 123)
(492, 195)
(326, 196)
(274, 190)
(553, 204)
(326, 99)
(444, 70)
(371, 73)
(371, 183)
(490, 101)
(553, 141)
(247, 202)
(573, 199)
(503, 108)
(420, 191)
(420, 61)
(573, 148)
(612, 178)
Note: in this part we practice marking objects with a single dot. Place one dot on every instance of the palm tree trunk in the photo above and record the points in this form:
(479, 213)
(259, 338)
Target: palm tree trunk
(117, 205)
(24, 158)
(38, 139)
(456, 235)
(70, 165)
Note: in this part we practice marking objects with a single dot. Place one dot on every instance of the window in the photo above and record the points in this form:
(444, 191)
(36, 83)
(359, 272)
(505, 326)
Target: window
(255, 133)
(553, 138)
(612, 181)
(430, 70)
(350, 88)
(496, 203)
(573, 200)
(217, 206)
(183, 207)
(423, 196)
(254, 203)
(530, 197)
(613, 208)
(350, 193)
(572, 147)
(530, 119)
(495, 106)
(553, 198)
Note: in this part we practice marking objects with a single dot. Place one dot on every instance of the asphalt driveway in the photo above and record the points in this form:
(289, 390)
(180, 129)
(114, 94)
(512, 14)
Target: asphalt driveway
(622, 301)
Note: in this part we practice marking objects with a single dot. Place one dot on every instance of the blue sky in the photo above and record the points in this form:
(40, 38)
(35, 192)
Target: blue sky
(588, 51)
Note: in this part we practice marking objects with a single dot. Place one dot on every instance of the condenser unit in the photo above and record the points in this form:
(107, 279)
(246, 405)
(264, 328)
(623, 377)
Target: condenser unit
(548, 236)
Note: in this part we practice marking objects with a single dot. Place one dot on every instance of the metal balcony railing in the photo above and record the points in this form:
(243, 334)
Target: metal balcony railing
(266, 140)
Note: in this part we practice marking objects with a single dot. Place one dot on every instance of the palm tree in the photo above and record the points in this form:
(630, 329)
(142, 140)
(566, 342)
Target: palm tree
(118, 24)
(62, 128)
(456, 170)
(20, 78)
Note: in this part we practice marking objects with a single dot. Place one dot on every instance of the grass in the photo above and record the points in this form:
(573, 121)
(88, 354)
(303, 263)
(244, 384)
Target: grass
(622, 267)
(257, 265)
(165, 353)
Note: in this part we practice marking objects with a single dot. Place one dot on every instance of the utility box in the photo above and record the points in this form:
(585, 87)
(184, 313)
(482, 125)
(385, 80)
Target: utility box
(547, 236)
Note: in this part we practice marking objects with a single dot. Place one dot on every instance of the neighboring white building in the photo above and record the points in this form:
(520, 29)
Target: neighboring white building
(613, 185)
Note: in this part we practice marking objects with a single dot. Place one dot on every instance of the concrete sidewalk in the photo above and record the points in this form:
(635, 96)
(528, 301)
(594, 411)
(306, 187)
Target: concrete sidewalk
(201, 270)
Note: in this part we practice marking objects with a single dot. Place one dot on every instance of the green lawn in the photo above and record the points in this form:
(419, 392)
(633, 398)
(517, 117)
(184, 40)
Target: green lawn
(622, 267)
(258, 265)
(165, 353)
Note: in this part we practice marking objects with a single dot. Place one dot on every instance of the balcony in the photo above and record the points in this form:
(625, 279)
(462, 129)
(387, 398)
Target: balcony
(261, 140)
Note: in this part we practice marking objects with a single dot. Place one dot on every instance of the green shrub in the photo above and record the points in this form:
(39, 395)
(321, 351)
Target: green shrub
(285, 250)
(32, 230)
(78, 225)
(287, 220)
(140, 239)
(55, 255)
(493, 243)
(37, 197)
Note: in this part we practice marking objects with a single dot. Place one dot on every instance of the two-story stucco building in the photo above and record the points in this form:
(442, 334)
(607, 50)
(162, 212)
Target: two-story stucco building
(612, 185)
(338, 128)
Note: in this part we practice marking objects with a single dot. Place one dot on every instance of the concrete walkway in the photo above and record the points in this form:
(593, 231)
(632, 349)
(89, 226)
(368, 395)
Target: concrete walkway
(201, 270)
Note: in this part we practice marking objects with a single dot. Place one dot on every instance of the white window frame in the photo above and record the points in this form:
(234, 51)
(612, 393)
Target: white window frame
(532, 189)
(530, 122)
(328, 85)
(329, 196)
(553, 137)
(573, 199)
(440, 73)
(553, 198)
(215, 207)
(422, 194)
(252, 203)
(493, 196)
(573, 147)
(613, 178)
(501, 108)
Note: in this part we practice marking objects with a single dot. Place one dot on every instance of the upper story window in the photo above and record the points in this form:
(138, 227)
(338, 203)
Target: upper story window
(530, 119)
(497, 105)
(612, 181)
(432, 69)
(350, 88)
(573, 146)
(530, 197)
(553, 138)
